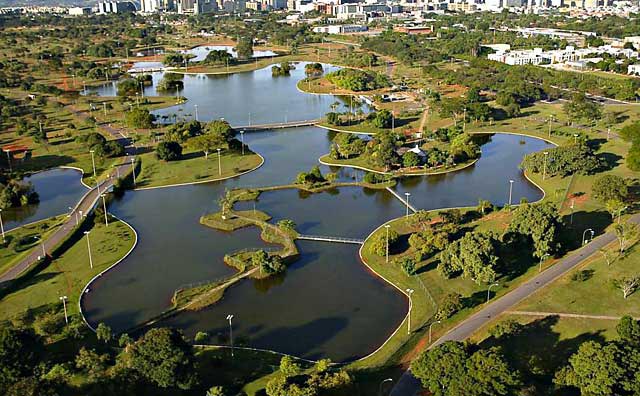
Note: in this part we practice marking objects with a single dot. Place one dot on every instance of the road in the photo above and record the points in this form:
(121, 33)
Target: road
(408, 385)
(84, 206)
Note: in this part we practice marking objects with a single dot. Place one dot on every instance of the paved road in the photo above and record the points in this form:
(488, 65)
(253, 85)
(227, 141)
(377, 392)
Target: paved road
(408, 385)
(84, 206)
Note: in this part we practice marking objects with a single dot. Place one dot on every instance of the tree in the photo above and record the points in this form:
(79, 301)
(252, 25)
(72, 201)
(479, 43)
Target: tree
(582, 108)
(128, 87)
(410, 159)
(408, 266)
(17, 354)
(484, 206)
(216, 390)
(103, 333)
(609, 187)
(594, 369)
(221, 129)
(90, 362)
(163, 357)
(629, 330)
(624, 233)
(206, 143)
(382, 119)
(450, 304)
(538, 223)
(379, 242)
(288, 367)
(169, 151)
(474, 255)
(627, 285)
(139, 118)
(441, 367)
(615, 208)
(244, 48)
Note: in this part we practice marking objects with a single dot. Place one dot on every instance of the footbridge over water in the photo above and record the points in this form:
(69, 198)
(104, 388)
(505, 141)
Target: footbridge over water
(322, 238)
(277, 125)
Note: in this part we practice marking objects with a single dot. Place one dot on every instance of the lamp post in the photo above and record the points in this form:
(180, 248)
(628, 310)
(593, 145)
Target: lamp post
(93, 162)
(489, 291)
(541, 260)
(229, 318)
(219, 163)
(242, 140)
(64, 306)
(382, 383)
(431, 325)
(133, 171)
(510, 192)
(464, 120)
(387, 226)
(196, 107)
(407, 194)
(409, 293)
(104, 207)
(2, 226)
(575, 138)
(573, 204)
(544, 166)
(89, 249)
(584, 233)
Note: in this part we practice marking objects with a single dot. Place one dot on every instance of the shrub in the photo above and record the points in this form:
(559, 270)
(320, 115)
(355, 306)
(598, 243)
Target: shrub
(450, 304)
(169, 151)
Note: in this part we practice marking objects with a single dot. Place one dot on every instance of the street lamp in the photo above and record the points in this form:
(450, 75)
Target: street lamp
(2, 226)
(387, 226)
(541, 260)
(544, 166)
(133, 170)
(242, 140)
(229, 318)
(64, 306)
(585, 233)
(439, 321)
(409, 293)
(510, 192)
(104, 207)
(89, 249)
(575, 138)
(219, 163)
(489, 291)
(407, 202)
(196, 107)
(382, 383)
(93, 162)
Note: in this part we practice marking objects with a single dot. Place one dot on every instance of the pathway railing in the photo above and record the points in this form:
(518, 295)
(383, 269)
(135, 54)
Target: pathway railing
(324, 238)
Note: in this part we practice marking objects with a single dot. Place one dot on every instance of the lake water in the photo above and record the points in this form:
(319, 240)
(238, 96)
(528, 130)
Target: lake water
(58, 189)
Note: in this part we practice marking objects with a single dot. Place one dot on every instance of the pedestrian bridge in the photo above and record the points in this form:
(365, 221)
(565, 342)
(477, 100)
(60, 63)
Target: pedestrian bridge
(276, 125)
(322, 238)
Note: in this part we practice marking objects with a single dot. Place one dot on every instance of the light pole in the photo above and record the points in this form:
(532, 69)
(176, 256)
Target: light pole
(387, 226)
(133, 171)
(196, 107)
(510, 192)
(489, 291)
(431, 325)
(541, 260)
(585, 233)
(409, 293)
(104, 207)
(575, 138)
(544, 166)
(382, 383)
(89, 249)
(229, 318)
(2, 226)
(407, 194)
(64, 306)
(464, 120)
(93, 162)
(573, 204)
(219, 163)
(242, 140)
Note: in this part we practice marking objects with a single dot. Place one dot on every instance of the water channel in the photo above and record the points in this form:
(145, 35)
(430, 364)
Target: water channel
(327, 304)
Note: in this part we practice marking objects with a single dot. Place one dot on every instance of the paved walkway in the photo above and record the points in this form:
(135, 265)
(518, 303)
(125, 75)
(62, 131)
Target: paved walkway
(84, 206)
(408, 385)
(563, 315)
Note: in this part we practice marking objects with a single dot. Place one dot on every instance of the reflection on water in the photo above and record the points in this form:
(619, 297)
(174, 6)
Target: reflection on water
(202, 51)
(58, 189)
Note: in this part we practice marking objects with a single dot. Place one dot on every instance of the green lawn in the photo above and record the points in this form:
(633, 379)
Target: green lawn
(193, 168)
(70, 272)
(32, 235)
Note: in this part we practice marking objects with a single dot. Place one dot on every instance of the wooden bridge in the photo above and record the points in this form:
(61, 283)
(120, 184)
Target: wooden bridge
(322, 238)
(276, 125)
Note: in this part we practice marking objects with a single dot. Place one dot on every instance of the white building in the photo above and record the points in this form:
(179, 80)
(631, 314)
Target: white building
(634, 69)
(76, 11)
(340, 29)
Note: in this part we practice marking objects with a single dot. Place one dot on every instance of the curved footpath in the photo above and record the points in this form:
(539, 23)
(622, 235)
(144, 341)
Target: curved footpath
(408, 385)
